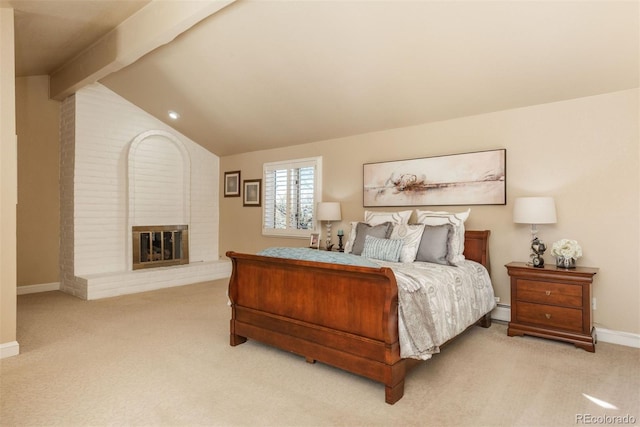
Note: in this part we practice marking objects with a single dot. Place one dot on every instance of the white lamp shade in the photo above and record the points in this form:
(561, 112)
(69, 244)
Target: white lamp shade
(534, 210)
(328, 211)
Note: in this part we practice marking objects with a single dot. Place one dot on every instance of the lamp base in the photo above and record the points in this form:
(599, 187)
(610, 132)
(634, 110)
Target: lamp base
(537, 249)
(537, 261)
(328, 243)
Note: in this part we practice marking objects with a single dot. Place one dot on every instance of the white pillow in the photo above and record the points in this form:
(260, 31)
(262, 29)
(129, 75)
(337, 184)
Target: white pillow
(411, 236)
(456, 242)
(352, 238)
(375, 218)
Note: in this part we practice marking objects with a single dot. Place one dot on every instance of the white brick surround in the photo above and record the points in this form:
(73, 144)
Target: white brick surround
(120, 167)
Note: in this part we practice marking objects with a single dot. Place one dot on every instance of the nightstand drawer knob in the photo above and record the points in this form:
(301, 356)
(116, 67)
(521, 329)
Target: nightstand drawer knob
(547, 315)
(547, 293)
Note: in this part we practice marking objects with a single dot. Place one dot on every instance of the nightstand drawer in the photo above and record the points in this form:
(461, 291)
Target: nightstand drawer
(551, 316)
(549, 293)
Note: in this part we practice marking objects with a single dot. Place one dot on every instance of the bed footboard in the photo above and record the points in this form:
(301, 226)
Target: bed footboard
(344, 316)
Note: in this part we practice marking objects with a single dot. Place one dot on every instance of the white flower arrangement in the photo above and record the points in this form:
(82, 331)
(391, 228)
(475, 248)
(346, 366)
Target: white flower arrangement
(566, 248)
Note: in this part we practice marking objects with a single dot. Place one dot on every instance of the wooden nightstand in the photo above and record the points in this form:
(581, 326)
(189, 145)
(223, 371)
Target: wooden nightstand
(552, 302)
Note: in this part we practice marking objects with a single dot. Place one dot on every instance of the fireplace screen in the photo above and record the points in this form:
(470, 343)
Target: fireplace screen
(160, 245)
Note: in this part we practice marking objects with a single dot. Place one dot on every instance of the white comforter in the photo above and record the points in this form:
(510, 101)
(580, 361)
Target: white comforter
(437, 302)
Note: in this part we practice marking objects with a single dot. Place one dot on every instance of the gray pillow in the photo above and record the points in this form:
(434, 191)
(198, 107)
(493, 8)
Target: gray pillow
(381, 231)
(434, 244)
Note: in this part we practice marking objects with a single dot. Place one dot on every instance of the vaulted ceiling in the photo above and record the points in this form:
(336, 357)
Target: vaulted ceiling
(262, 74)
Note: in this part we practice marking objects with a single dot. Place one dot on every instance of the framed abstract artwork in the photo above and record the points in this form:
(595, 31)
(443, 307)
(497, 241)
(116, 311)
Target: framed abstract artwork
(477, 178)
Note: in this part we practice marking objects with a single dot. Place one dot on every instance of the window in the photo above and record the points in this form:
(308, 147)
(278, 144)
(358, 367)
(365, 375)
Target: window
(291, 190)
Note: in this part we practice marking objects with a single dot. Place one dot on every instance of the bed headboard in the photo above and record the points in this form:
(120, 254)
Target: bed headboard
(476, 246)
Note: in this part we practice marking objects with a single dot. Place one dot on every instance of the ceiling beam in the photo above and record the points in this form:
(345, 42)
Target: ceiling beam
(156, 24)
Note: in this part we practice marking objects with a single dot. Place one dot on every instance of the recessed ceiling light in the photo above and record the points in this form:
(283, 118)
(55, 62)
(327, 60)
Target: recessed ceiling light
(173, 115)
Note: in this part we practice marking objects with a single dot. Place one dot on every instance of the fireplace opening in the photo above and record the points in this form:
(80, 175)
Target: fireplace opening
(160, 245)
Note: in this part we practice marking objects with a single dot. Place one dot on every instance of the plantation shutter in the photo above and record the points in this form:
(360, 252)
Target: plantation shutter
(290, 190)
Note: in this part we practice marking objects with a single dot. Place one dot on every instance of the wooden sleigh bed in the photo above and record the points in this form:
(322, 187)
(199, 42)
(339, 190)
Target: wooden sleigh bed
(341, 315)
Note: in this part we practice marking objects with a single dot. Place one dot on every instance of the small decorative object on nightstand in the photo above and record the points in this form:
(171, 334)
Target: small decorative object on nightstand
(340, 236)
(534, 211)
(554, 303)
(314, 241)
(566, 251)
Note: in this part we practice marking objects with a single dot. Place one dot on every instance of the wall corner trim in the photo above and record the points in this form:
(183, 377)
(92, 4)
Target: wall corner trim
(9, 349)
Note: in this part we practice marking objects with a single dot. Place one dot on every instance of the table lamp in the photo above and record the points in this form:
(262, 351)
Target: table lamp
(328, 211)
(534, 211)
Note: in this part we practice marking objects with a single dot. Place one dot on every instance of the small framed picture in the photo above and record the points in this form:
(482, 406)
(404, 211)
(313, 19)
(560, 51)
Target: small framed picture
(252, 192)
(314, 241)
(232, 184)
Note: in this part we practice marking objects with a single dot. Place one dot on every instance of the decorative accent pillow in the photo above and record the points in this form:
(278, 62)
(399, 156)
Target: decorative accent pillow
(375, 218)
(382, 249)
(352, 238)
(434, 244)
(381, 231)
(410, 236)
(456, 241)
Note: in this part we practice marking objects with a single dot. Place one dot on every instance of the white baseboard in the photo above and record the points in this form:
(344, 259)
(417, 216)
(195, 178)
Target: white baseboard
(33, 289)
(503, 313)
(617, 337)
(9, 349)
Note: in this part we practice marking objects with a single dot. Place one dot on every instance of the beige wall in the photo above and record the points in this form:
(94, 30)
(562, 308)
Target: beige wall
(584, 152)
(37, 120)
(8, 184)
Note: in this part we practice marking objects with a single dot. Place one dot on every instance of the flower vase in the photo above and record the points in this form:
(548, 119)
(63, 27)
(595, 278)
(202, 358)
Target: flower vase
(565, 262)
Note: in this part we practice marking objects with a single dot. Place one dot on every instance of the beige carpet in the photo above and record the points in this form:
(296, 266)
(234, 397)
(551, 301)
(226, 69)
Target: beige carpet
(163, 358)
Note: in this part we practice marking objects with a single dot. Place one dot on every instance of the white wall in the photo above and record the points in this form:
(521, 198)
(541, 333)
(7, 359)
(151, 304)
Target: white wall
(159, 184)
(98, 129)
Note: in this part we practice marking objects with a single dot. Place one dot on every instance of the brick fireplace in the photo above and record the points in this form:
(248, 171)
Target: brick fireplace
(122, 169)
